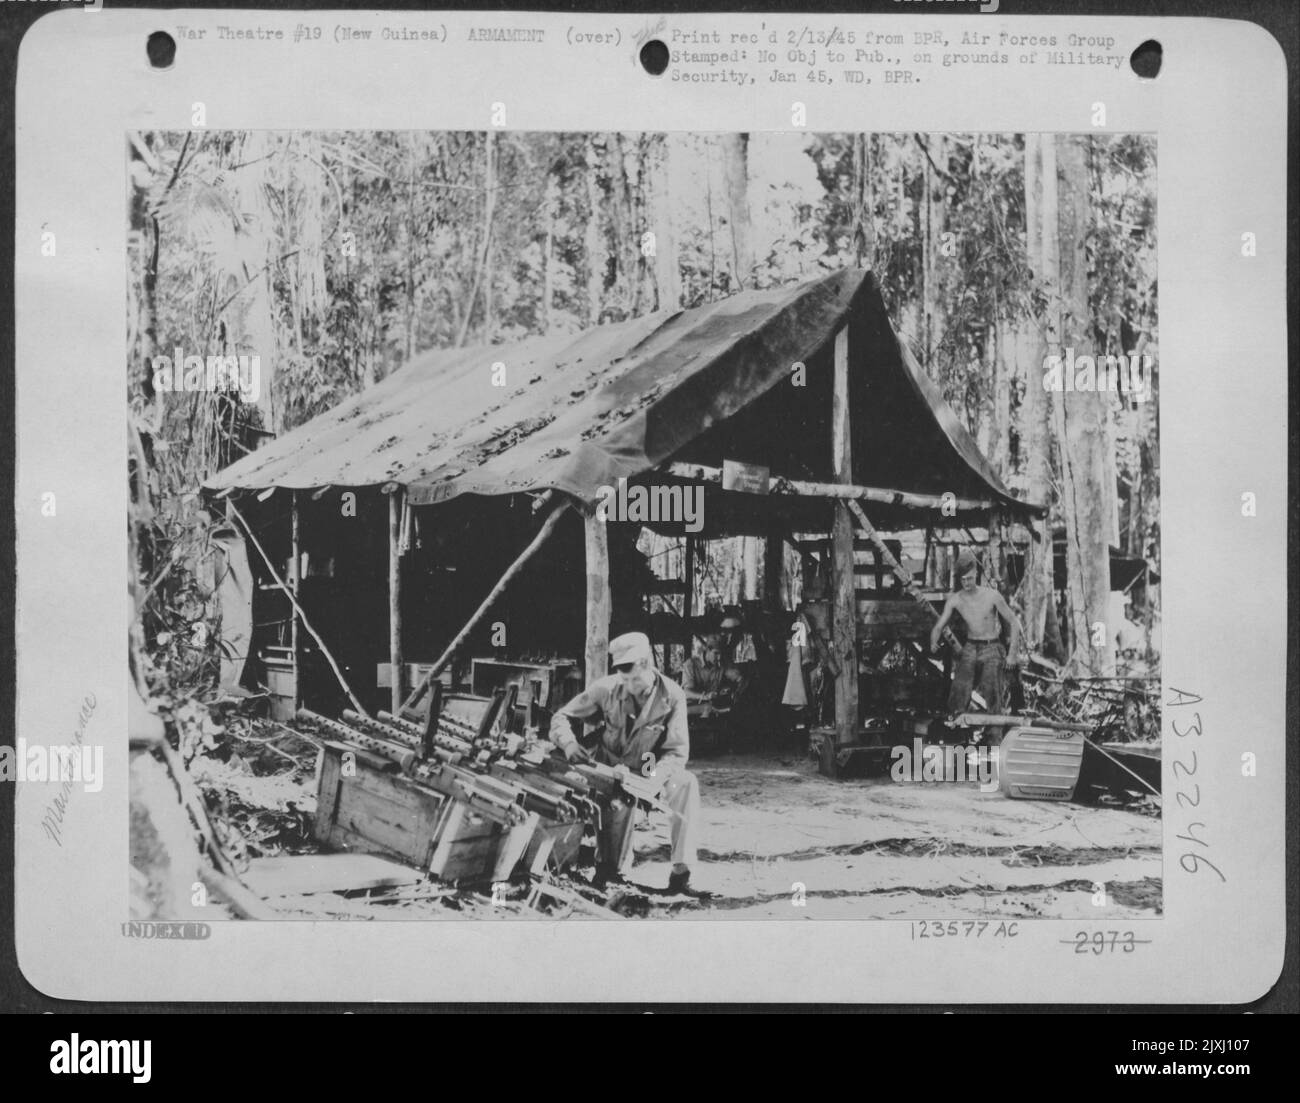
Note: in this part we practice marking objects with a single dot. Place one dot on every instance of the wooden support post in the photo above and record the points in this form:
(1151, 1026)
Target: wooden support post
(395, 596)
(688, 597)
(844, 606)
(596, 664)
(773, 567)
(295, 580)
(688, 602)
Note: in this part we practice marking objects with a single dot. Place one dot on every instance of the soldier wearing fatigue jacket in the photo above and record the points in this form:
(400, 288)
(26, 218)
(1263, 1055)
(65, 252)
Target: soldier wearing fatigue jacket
(644, 717)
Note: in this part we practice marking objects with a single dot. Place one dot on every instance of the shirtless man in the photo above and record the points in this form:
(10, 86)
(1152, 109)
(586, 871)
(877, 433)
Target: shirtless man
(979, 666)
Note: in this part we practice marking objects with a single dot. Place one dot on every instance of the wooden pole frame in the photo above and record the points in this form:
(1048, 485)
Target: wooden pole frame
(773, 565)
(807, 488)
(395, 596)
(688, 600)
(844, 605)
(248, 530)
(596, 545)
(295, 582)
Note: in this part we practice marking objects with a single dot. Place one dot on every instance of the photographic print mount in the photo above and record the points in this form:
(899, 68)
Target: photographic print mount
(693, 379)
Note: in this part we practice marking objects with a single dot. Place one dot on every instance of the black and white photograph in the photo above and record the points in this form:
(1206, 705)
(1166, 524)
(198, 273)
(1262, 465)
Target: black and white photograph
(604, 525)
(652, 512)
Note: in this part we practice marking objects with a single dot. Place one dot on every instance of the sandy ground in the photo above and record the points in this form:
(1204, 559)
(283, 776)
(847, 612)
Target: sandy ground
(876, 849)
(774, 832)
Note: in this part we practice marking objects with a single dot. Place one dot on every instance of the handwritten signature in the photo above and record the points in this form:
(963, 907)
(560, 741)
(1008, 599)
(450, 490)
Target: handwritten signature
(57, 807)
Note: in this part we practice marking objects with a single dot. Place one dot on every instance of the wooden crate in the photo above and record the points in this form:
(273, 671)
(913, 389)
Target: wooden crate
(372, 808)
(473, 846)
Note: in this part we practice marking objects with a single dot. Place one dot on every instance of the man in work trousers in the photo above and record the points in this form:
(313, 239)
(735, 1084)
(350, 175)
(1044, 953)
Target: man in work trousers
(982, 658)
(644, 716)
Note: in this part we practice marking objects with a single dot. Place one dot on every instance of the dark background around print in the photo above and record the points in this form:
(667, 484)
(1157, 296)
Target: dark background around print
(1281, 18)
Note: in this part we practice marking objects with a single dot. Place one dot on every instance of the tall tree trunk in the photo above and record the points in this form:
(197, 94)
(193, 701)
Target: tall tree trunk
(144, 237)
(1145, 491)
(626, 181)
(735, 175)
(1001, 365)
(1083, 416)
(668, 278)
(551, 206)
(619, 216)
(933, 213)
(911, 311)
(708, 218)
(491, 159)
(927, 265)
(1056, 634)
(483, 269)
(642, 218)
(864, 231)
(254, 308)
(1039, 606)
(411, 317)
(595, 234)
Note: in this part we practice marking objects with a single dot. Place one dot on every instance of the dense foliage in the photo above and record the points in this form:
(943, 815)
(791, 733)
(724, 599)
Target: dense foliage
(336, 256)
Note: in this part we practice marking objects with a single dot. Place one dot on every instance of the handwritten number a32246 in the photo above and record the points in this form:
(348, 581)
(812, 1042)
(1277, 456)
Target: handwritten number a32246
(1192, 860)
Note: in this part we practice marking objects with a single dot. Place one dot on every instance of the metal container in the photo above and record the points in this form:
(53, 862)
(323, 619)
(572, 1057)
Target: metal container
(281, 683)
(1040, 764)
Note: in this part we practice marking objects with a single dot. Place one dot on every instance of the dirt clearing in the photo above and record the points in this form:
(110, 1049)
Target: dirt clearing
(876, 849)
(774, 831)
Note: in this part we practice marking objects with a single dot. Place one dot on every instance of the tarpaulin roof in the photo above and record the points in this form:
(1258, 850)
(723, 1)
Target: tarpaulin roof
(577, 411)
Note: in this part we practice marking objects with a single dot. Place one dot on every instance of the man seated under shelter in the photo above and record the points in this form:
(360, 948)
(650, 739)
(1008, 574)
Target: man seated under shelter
(983, 657)
(644, 718)
(706, 677)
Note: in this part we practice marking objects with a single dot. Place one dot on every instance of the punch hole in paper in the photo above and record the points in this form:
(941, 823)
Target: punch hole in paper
(1146, 59)
(654, 57)
(161, 48)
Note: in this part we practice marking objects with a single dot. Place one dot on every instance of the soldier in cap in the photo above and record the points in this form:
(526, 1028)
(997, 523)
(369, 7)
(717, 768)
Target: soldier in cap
(982, 658)
(644, 716)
